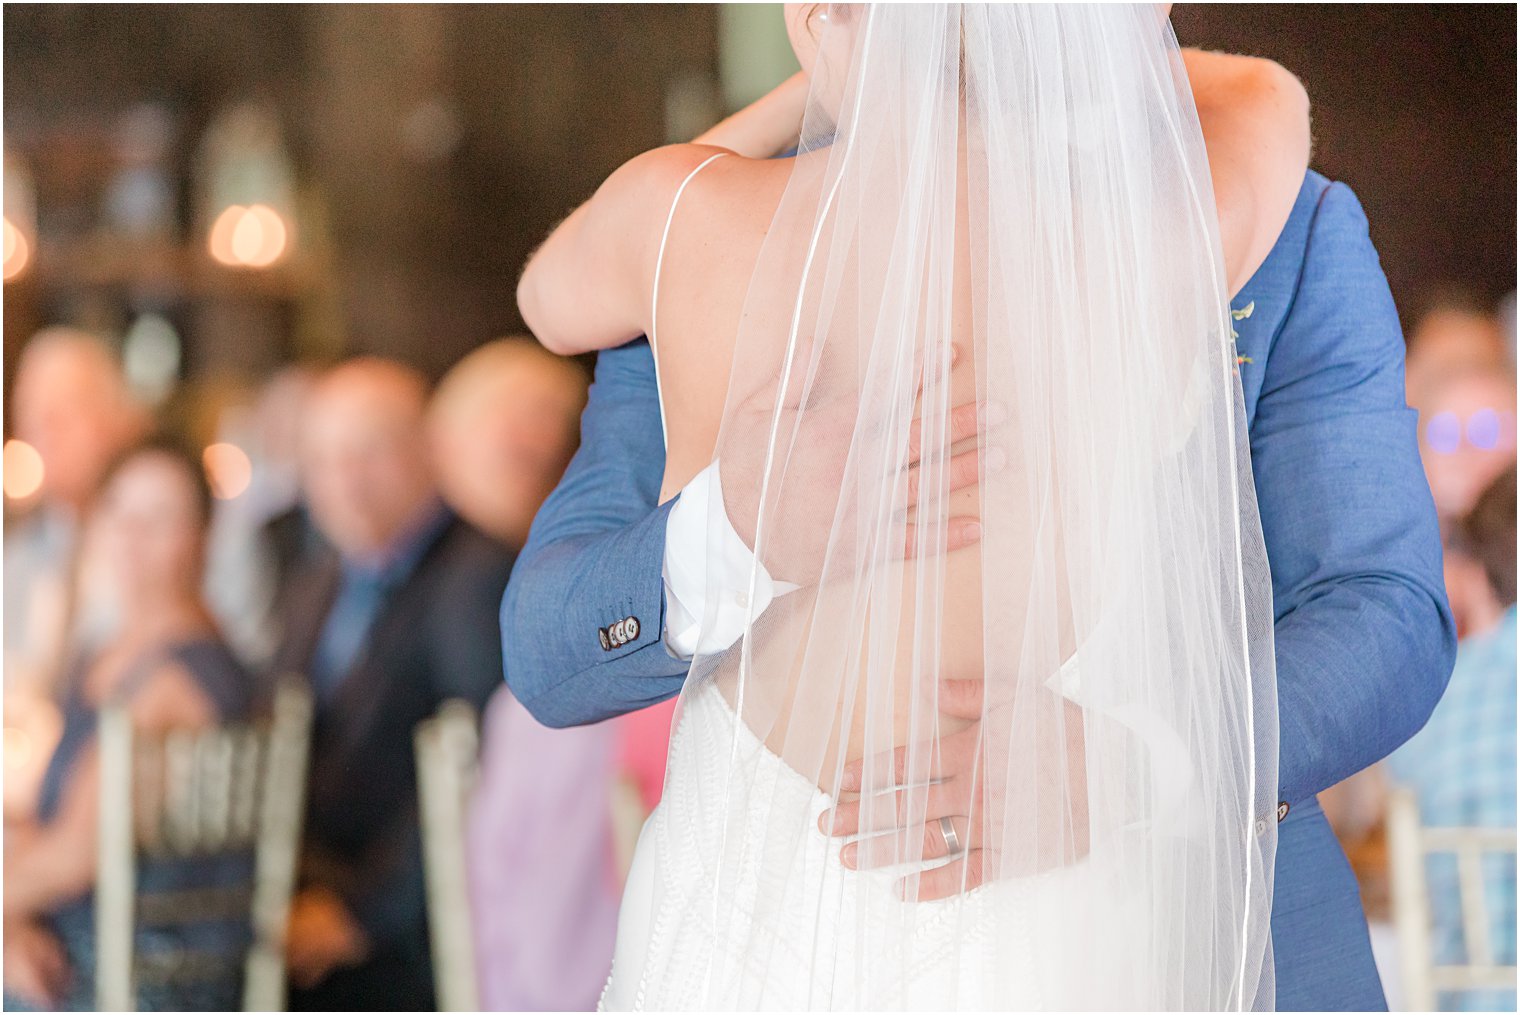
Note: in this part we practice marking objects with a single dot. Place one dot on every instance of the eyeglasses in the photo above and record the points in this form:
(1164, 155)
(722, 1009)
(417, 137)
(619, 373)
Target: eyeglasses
(1486, 430)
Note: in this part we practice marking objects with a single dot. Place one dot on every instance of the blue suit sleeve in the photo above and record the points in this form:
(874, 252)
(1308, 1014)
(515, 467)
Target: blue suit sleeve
(1364, 635)
(594, 558)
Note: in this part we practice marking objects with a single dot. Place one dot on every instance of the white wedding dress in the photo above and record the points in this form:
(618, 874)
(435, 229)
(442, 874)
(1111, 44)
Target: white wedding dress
(975, 951)
(1008, 206)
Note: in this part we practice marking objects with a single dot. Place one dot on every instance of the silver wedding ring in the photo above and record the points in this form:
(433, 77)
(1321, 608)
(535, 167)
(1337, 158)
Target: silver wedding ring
(952, 840)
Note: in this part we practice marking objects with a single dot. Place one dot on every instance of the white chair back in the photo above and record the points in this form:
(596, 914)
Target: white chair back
(200, 793)
(1409, 844)
(447, 757)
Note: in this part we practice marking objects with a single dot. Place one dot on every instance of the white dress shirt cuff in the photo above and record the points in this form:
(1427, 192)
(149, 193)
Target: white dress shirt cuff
(708, 573)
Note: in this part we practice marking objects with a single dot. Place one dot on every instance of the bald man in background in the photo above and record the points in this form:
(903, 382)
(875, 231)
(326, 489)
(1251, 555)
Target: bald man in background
(504, 423)
(397, 616)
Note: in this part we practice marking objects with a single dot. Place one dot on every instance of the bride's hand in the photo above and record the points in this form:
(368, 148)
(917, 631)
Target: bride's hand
(766, 127)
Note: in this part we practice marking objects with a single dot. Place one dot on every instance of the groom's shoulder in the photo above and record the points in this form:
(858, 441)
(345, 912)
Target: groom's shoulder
(1326, 211)
(1325, 234)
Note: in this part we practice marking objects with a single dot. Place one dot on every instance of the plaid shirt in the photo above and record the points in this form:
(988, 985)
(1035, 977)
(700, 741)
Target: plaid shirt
(1462, 767)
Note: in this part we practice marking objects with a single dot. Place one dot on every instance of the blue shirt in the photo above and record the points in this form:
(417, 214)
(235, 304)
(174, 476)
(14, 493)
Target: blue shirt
(1461, 767)
(1363, 635)
(364, 586)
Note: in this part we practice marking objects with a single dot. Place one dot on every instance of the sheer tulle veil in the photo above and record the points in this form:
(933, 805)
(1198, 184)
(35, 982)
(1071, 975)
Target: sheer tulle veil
(1006, 205)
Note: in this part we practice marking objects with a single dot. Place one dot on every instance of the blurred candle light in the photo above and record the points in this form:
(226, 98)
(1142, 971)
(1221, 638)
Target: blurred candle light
(245, 188)
(248, 237)
(227, 469)
(20, 216)
(23, 470)
(17, 251)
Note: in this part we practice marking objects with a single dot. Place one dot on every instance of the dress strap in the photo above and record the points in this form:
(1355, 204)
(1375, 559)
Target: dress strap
(654, 300)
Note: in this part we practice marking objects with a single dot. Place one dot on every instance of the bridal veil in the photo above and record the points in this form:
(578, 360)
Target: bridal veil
(1009, 206)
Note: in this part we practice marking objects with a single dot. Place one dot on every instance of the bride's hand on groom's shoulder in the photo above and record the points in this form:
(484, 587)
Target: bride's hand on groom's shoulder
(766, 127)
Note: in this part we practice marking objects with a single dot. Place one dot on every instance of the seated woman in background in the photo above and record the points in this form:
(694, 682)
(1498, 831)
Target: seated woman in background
(169, 666)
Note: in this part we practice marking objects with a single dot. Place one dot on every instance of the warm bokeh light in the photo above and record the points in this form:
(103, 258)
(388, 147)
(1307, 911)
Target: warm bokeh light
(251, 237)
(227, 469)
(17, 251)
(23, 469)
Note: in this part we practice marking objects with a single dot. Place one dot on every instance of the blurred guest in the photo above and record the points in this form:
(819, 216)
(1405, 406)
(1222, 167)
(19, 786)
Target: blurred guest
(275, 490)
(259, 537)
(544, 888)
(1467, 438)
(1456, 334)
(71, 404)
(504, 425)
(1507, 323)
(397, 617)
(1467, 433)
(168, 666)
(543, 906)
(1462, 764)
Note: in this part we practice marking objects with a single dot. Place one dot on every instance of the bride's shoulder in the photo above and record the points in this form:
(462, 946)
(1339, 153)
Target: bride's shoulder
(587, 286)
(1257, 92)
(720, 193)
(1256, 126)
(650, 181)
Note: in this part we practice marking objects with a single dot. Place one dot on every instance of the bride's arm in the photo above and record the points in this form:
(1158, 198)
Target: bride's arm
(588, 286)
(766, 127)
(1255, 120)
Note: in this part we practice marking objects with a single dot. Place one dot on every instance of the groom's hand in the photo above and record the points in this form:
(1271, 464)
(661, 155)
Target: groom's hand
(958, 780)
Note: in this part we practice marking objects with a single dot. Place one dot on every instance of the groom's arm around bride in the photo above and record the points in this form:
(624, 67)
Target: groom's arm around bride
(1364, 639)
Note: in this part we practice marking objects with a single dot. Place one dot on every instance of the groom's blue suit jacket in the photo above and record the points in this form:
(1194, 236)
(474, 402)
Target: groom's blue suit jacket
(1364, 636)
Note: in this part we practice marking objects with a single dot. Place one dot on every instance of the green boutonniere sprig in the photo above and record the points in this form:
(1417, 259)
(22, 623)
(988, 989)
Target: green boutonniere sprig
(1240, 315)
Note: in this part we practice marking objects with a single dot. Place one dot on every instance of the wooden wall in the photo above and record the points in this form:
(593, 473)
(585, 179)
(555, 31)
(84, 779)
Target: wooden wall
(1414, 108)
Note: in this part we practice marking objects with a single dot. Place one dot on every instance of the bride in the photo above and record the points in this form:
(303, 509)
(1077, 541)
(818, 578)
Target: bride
(958, 377)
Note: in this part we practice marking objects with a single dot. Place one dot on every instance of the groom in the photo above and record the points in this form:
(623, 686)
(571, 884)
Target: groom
(594, 628)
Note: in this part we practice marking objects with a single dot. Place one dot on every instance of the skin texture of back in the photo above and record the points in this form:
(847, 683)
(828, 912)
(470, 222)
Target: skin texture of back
(1247, 108)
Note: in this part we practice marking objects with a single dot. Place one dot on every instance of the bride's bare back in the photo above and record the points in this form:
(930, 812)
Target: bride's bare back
(593, 285)
(590, 286)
